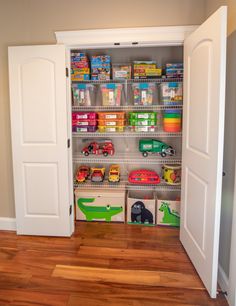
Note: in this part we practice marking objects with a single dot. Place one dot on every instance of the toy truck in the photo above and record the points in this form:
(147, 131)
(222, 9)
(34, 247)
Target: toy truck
(151, 146)
(106, 148)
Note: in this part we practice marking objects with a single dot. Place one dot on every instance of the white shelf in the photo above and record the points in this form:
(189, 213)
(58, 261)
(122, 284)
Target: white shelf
(130, 81)
(126, 158)
(127, 133)
(126, 107)
(125, 185)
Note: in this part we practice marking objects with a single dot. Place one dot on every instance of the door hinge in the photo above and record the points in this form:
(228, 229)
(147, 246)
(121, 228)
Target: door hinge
(70, 210)
(67, 72)
(68, 143)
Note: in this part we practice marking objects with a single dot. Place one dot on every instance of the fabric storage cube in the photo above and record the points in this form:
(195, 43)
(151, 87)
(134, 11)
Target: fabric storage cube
(141, 208)
(168, 212)
(100, 205)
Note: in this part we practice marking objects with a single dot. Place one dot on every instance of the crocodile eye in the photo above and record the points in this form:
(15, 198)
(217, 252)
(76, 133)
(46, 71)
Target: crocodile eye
(108, 207)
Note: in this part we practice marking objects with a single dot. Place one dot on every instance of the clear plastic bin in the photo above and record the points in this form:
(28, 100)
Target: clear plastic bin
(82, 94)
(143, 93)
(121, 71)
(111, 94)
(171, 93)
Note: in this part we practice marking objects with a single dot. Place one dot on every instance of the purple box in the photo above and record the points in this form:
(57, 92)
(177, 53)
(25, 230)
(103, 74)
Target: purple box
(84, 115)
(89, 128)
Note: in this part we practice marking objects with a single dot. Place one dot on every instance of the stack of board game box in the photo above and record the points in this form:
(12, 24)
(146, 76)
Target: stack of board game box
(146, 70)
(101, 67)
(80, 70)
(174, 70)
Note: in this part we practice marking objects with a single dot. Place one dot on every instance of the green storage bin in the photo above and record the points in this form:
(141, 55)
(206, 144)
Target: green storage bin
(143, 115)
(143, 122)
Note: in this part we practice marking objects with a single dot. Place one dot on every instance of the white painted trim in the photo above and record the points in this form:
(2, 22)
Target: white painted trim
(223, 280)
(232, 264)
(148, 36)
(7, 224)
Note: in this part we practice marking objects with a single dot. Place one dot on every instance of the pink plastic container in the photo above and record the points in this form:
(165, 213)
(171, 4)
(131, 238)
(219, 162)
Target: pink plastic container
(84, 122)
(84, 115)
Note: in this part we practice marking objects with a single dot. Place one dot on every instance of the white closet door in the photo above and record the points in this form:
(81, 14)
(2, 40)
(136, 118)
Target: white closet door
(39, 139)
(203, 129)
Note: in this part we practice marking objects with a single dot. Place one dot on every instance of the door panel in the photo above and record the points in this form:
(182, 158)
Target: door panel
(203, 125)
(39, 140)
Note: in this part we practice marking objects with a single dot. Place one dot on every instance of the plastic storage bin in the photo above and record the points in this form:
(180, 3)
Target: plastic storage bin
(143, 122)
(84, 122)
(105, 129)
(147, 128)
(172, 121)
(89, 128)
(111, 94)
(143, 93)
(171, 93)
(111, 115)
(82, 94)
(121, 71)
(84, 115)
(111, 122)
(143, 115)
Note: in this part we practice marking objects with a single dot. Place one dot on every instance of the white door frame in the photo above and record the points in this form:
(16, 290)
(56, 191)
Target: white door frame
(232, 267)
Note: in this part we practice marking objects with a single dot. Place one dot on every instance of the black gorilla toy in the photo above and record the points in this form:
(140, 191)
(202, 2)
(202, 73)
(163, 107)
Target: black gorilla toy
(141, 214)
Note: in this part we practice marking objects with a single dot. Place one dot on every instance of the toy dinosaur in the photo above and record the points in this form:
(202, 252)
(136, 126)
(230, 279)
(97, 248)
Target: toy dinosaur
(97, 212)
(169, 217)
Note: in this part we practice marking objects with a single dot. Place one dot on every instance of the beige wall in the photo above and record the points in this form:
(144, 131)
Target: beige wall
(213, 5)
(230, 127)
(34, 22)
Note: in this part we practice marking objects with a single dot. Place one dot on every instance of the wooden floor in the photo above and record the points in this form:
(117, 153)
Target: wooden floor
(102, 264)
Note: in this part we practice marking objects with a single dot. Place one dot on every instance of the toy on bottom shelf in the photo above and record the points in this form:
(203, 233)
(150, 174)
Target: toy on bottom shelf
(168, 212)
(144, 176)
(97, 174)
(105, 147)
(147, 146)
(97, 212)
(82, 173)
(114, 174)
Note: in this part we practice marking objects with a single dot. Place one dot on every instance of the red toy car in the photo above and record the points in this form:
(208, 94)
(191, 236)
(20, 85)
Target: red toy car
(82, 173)
(144, 176)
(97, 174)
(106, 148)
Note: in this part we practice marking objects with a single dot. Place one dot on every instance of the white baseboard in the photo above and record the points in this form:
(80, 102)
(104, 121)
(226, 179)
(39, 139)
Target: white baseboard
(223, 280)
(7, 224)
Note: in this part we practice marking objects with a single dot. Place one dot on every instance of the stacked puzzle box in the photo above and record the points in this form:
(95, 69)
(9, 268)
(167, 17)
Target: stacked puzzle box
(80, 70)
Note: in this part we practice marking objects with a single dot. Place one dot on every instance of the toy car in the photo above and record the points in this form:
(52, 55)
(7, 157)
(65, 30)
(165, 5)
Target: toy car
(114, 174)
(147, 146)
(144, 176)
(97, 174)
(106, 148)
(82, 173)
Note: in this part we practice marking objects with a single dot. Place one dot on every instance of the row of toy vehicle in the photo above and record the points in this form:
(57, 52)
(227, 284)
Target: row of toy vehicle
(171, 175)
(97, 174)
(147, 146)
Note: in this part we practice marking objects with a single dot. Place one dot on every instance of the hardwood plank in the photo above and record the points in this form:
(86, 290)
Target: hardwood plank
(146, 278)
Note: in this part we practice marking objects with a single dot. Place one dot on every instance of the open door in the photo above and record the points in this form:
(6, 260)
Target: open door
(203, 130)
(39, 140)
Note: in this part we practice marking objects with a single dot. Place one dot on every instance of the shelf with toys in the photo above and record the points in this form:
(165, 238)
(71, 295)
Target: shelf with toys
(126, 126)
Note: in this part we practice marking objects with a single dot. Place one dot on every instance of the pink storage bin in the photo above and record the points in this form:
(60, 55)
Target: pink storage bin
(84, 122)
(89, 128)
(84, 115)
